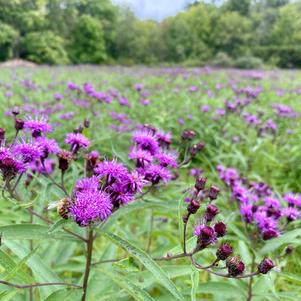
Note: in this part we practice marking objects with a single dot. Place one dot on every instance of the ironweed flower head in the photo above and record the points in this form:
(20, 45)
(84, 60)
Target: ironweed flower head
(90, 206)
(37, 126)
(28, 151)
(77, 141)
(145, 140)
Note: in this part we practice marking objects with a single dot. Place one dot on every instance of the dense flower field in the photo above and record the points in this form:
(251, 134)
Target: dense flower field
(150, 184)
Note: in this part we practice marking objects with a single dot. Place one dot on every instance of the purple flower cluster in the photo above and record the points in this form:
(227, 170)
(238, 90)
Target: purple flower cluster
(258, 204)
(152, 155)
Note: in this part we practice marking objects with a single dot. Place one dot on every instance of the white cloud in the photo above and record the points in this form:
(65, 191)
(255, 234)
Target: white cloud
(154, 9)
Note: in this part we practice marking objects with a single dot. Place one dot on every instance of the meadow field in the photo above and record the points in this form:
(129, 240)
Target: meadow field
(132, 183)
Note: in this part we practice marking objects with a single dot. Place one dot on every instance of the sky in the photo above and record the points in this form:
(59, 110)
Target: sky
(154, 9)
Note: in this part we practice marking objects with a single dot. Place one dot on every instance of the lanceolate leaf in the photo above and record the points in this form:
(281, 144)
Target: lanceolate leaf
(135, 291)
(149, 263)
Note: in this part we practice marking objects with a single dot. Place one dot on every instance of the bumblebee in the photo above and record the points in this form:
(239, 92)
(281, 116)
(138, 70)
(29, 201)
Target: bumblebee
(63, 208)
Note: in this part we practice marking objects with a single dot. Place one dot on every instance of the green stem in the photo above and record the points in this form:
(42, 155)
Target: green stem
(90, 240)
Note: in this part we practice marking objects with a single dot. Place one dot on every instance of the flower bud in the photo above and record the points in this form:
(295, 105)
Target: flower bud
(211, 212)
(200, 146)
(224, 251)
(206, 236)
(19, 124)
(200, 183)
(194, 150)
(289, 249)
(193, 207)
(86, 123)
(213, 192)
(220, 229)
(269, 234)
(188, 134)
(15, 111)
(78, 129)
(65, 158)
(235, 266)
(265, 266)
(2, 134)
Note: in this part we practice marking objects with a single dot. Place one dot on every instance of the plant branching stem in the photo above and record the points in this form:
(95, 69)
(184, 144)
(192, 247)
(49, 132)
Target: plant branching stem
(90, 239)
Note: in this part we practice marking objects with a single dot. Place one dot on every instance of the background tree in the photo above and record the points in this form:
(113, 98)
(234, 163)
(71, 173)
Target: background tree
(87, 41)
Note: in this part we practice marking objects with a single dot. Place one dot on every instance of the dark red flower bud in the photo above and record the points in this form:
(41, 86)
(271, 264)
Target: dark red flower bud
(235, 266)
(206, 236)
(269, 234)
(211, 212)
(224, 251)
(188, 134)
(289, 250)
(213, 192)
(265, 266)
(65, 158)
(86, 123)
(220, 228)
(19, 124)
(194, 150)
(200, 183)
(78, 129)
(193, 207)
(15, 111)
(200, 146)
(2, 134)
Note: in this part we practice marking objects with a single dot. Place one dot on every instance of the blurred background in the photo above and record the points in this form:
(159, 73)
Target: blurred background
(232, 33)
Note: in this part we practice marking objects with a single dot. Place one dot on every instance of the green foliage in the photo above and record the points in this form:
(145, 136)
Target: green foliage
(99, 32)
(8, 36)
(87, 42)
(44, 47)
(248, 62)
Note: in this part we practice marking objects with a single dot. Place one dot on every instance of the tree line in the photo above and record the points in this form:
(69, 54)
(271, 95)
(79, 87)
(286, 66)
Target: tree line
(239, 33)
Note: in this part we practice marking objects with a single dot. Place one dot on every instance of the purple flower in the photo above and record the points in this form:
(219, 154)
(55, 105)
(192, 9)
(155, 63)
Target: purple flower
(48, 146)
(164, 139)
(142, 157)
(46, 168)
(28, 151)
(291, 213)
(205, 108)
(112, 171)
(146, 140)
(37, 126)
(90, 206)
(10, 165)
(293, 199)
(247, 213)
(77, 140)
(155, 174)
(73, 86)
(134, 182)
(167, 159)
(87, 184)
(67, 116)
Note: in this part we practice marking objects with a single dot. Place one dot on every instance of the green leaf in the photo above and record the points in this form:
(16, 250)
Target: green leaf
(149, 263)
(41, 272)
(221, 288)
(32, 232)
(195, 277)
(9, 265)
(135, 291)
(12, 273)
